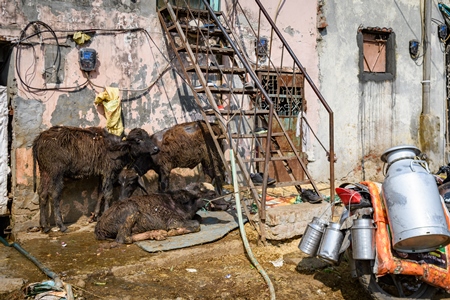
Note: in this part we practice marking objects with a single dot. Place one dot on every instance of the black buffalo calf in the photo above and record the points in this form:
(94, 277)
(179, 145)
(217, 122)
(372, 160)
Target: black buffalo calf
(154, 216)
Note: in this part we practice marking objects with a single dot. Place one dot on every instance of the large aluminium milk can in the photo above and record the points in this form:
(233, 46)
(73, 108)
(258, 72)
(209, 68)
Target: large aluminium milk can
(414, 208)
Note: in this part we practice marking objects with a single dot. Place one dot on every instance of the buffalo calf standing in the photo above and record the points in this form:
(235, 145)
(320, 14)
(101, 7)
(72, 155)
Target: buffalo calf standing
(170, 211)
(184, 145)
(71, 152)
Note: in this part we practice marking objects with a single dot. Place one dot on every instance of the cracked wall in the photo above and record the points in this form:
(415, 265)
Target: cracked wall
(50, 89)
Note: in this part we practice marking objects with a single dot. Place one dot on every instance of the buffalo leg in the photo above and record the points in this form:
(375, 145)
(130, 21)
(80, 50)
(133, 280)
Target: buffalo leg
(57, 185)
(164, 180)
(43, 203)
(214, 177)
(98, 205)
(105, 194)
(158, 234)
(107, 190)
(188, 226)
(124, 232)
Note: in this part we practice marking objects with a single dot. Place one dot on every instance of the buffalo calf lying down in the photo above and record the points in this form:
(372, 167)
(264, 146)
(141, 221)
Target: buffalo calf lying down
(72, 152)
(154, 216)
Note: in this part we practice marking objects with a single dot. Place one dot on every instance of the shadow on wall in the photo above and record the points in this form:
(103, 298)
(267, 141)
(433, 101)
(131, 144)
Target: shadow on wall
(86, 193)
(4, 223)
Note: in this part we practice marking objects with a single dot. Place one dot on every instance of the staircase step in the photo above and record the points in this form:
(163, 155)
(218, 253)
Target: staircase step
(227, 90)
(206, 32)
(214, 69)
(246, 136)
(286, 183)
(273, 158)
(291, 183)
(181, 11)
(210, 49)
(226, 112)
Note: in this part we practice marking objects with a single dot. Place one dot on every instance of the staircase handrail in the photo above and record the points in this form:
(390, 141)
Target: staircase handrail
(331, 154)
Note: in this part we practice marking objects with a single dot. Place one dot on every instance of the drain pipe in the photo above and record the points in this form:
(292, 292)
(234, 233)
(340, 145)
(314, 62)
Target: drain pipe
(430, 129)
(242, 230)
(43, 268)
(426, 105)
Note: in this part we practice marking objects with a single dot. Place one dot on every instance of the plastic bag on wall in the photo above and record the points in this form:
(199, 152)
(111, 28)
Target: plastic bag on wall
(111, 102)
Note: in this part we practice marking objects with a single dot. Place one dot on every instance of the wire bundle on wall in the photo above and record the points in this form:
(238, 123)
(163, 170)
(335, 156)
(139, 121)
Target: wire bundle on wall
(24, 40)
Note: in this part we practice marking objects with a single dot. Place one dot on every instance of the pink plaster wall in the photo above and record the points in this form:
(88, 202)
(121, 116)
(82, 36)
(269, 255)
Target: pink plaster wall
(298, 23)
(24, 166)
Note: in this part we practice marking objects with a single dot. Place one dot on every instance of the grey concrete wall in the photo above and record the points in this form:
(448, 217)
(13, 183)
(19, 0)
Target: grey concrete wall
(371, 117)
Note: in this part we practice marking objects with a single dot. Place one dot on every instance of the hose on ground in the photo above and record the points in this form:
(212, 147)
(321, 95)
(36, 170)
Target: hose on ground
(43, 268)
(242, 229)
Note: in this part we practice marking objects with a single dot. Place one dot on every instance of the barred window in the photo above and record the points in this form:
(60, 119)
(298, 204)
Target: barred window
(285, 89)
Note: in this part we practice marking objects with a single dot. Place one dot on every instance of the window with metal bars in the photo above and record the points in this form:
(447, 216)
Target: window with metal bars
(377, 54)
(285, 89)
(193, 4)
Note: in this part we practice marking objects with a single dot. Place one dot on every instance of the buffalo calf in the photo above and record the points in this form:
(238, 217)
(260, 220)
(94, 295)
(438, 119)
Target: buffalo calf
(72, 152)
(184, 145)
(155, 215)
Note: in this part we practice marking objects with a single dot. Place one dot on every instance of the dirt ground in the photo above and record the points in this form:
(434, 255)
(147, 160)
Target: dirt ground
(219, 270)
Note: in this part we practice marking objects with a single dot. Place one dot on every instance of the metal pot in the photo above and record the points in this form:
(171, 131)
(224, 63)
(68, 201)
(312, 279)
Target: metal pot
(416, 216)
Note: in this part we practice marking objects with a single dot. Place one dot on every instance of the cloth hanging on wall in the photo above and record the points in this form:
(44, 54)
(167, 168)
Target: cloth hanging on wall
(110, 100)
(80, 38)
(303, 131)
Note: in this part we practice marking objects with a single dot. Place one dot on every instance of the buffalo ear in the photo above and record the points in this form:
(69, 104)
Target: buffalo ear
(141, 184)
(118, 154)
(118, 148)
(119, 145)
(114, 142)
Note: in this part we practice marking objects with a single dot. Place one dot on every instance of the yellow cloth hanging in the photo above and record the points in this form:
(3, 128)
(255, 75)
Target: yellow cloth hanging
(111, 102)
(80, 37)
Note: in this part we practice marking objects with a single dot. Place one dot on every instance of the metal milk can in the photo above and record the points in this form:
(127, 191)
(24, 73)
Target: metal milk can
(313, 235)
(331, 243)
(416, 216)
(363, 239)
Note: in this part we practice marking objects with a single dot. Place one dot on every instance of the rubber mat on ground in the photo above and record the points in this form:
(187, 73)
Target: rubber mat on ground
(215, 225)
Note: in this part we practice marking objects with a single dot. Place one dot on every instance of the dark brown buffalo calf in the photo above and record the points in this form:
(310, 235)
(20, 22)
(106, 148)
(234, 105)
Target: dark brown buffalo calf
(184, 145)
(154, 216)
(71, 152)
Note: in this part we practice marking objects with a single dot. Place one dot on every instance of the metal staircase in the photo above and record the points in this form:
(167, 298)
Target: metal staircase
(240, 97)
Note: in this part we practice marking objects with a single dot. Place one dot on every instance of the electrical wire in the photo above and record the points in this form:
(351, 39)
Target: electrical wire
(29, 76)
(56, 63)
